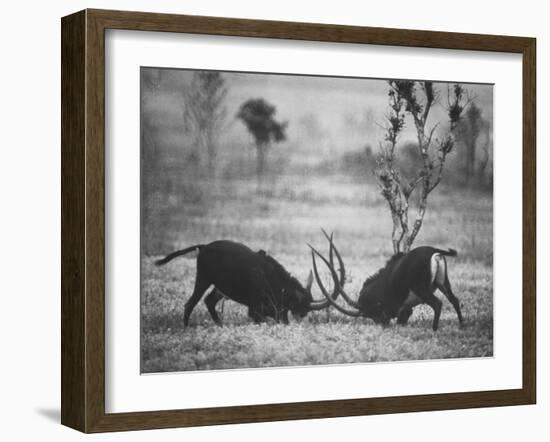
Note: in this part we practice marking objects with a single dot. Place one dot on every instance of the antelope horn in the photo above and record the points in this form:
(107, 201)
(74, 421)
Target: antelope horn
(323, 303)
(342, 269)
(348, 312)
(333, 250)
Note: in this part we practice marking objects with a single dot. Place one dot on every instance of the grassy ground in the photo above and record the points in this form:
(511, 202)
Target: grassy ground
(281, 218)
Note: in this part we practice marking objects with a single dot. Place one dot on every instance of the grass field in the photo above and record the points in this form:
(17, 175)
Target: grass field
(281, 218)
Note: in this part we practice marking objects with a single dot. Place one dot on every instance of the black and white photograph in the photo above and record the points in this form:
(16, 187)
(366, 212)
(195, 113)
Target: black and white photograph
(299, 220)
(268, 221)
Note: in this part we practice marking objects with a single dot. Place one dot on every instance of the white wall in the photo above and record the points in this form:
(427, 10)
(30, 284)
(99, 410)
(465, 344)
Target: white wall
(30, 217)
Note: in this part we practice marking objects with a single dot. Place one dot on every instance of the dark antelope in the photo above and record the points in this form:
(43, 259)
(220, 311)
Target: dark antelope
(253, 279)
(407, 279)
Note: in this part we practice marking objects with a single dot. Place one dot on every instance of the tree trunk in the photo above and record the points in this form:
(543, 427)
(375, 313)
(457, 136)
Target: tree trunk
(211, 148)
(261, 151)
(483, 165)
(470, 159)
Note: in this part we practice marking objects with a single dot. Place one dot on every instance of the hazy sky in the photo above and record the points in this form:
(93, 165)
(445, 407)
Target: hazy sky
(348, 112)
(333, 99)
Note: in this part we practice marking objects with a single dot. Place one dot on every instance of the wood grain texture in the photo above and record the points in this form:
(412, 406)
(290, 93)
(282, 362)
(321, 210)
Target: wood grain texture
(83, 220)
(73, 257)
(144, 21)
(529, 220)
(95, 221)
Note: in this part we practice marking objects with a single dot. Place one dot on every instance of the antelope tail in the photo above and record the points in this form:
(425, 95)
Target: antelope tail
(449, 252)
(171, 256)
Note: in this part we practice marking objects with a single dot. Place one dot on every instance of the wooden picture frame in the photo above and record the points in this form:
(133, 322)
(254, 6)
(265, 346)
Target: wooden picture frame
(83, 220)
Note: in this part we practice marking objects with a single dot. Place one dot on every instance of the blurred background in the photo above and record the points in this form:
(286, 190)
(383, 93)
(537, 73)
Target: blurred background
(207, 175)
(268, 160)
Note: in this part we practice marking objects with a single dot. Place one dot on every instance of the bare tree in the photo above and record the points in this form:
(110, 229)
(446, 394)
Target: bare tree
(468, 131)
(204, 113)
(485, 154)
(258, 117)
(416, 99)
(474, 133)
(151, 81)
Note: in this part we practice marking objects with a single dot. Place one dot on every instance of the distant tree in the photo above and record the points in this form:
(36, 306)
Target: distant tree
(154, 185)
(258, 117)
(486, 145)
(415, 99)
(151, 81)
(204, 113)
(468, 132)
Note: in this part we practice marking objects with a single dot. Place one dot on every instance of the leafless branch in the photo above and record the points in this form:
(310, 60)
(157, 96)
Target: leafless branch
(404, 98)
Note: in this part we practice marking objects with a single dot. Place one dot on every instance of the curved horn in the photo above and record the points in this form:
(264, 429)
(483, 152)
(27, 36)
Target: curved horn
(322, 304)
(342, 269)
(333, 250)
(314, 252)
(318, 305)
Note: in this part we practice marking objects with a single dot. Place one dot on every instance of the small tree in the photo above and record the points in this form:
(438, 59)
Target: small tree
(486, 145)
(416, 100)
(468, 131)
(204, 112)
(151, 81)
(258, 117)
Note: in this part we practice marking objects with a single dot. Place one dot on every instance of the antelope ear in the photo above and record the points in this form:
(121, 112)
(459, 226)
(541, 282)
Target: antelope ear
(309, 282)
